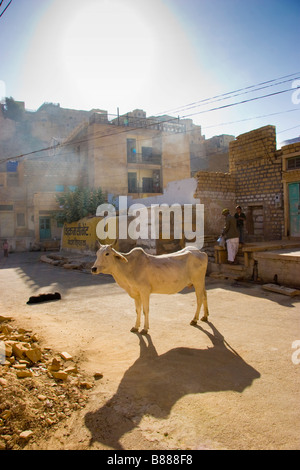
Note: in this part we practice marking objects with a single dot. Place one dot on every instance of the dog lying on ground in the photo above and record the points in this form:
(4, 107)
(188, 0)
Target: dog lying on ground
(44, 298)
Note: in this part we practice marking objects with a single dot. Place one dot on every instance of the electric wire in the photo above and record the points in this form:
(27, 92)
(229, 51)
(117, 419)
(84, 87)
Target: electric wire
(3, 11)
(149, 125)
(205, 100)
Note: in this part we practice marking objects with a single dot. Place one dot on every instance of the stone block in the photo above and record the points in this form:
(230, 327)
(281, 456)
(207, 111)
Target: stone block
(24, 373)
(66, 356)
(34, 354)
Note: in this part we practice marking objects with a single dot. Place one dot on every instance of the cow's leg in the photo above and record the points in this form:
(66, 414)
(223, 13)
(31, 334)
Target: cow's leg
(201, 298)
(138, 308)
(205, 305)
(145, 302)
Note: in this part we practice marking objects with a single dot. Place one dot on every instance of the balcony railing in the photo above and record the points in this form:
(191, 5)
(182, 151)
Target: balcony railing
(139, 189)
(140, 158)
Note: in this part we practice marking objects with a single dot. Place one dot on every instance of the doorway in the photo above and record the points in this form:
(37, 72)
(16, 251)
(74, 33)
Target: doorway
(294, 209)
(45, 228)
(255, 223)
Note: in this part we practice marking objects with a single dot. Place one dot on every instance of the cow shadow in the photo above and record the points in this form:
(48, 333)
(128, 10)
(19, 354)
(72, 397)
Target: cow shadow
(154, 383)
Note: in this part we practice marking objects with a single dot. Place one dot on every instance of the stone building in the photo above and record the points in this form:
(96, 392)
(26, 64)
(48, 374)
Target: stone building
(28, 185)
(130, 154)
(123, 156)
(263, 180)
(209, 154)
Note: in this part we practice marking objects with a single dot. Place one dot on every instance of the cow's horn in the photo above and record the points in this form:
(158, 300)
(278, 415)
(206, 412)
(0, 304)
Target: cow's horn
(114, 243)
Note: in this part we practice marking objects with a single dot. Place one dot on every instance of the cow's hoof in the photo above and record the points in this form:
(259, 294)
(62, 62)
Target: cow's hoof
(144, 332)
(204, 319)
(134, 329)
(193, 323)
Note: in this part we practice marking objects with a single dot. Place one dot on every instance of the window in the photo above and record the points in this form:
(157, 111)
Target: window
(21, 220)
(12, 167)
(146, 153)
(131, 150)
(132, 182)
(147, 185)
(293, 163)
(6, 207)
(59, 188)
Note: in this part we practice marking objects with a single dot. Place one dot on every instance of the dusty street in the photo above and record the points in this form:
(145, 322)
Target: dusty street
(227, 384)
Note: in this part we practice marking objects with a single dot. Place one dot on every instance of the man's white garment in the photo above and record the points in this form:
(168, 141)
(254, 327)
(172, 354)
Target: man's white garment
(232, 248)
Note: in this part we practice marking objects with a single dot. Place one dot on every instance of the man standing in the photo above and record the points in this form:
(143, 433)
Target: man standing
(231, 234)
(240, 219)
(5, 248)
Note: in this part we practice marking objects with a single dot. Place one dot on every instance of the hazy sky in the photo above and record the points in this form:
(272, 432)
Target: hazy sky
(157, 55)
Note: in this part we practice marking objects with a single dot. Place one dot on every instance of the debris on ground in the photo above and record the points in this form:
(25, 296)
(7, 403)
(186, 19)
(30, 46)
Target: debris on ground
(281, 289)
(38, 387)
(80, 262)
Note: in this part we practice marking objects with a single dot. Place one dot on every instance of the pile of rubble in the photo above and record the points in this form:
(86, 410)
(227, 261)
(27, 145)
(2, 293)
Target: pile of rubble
(38, 388)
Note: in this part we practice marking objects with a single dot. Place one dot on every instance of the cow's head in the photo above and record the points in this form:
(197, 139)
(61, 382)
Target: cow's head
(107, 257)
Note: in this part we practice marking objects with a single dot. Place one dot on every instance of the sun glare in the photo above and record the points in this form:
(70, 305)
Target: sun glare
(112, 54)
(105, 51)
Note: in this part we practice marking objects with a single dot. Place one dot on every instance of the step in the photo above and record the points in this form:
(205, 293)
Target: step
(232, 267)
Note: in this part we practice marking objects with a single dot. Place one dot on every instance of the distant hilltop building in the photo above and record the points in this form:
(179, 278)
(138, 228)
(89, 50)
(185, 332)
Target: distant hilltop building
(290, 141)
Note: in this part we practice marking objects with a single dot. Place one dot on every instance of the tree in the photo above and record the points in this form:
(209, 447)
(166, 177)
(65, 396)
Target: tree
(13, 110)
(77, 204)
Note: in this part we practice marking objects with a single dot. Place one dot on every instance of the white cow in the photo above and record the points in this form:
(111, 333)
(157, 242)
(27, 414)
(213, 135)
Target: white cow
(141, 274)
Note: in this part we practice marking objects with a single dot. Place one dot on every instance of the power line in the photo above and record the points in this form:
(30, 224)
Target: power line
(182, 156)
(151, 124)
(5, 7)
(251, 118)
(289, 129)
(239, 102)
(207, 100)
(243, 93)
(115, 175)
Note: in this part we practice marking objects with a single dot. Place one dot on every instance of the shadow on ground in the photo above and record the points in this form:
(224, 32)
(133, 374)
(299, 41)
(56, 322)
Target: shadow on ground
(154, 383)
(38, 275)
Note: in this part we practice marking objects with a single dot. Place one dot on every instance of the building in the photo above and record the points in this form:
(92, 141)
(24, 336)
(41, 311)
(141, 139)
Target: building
(28, 185)
(264, 180)
(130, 154)
(209, 154)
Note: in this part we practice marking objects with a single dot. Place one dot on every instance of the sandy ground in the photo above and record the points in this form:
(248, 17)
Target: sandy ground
(226, 384)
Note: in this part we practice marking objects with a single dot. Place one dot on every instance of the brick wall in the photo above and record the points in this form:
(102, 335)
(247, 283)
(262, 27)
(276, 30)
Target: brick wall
(257, 169)
(254, 181)
(216, 191)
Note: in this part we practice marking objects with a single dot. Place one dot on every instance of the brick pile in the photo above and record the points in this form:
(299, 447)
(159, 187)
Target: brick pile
(38, 387)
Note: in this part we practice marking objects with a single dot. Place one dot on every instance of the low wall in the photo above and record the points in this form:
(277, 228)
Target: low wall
(280, 266)
(81, 235)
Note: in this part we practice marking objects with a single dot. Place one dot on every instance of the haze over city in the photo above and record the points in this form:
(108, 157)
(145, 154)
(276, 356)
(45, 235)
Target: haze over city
(164, 56)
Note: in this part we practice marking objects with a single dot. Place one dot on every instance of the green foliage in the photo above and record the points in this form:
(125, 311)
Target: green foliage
(13, 110)
(77, 204)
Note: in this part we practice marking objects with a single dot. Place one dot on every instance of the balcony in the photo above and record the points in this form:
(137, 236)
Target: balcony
(145, 159)
(148, 186)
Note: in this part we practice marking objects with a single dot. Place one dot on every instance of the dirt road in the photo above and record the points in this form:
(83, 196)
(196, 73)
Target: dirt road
(227, 384)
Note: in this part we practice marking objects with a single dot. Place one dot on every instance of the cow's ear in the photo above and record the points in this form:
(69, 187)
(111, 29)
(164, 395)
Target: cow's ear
(121, 257)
